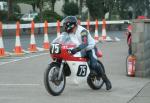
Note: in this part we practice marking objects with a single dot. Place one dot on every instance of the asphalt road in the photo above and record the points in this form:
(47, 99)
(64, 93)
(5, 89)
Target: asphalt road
(21, 79)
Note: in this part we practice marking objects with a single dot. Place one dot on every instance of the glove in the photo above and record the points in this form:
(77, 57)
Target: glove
(71, 51)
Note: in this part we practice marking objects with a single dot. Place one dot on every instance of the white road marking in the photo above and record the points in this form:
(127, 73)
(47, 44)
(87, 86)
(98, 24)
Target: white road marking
(25, 51)
(9, 84)
(23, 58)
(11, 98)
(117, 39)
(40, 49)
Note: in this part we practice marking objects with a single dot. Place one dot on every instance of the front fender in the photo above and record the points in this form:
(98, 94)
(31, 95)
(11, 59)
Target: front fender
(66, 68)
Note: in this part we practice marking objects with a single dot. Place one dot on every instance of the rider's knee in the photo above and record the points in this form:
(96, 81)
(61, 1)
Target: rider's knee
(94, 65)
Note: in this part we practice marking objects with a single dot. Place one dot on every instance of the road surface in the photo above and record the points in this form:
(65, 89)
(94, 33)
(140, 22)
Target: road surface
(21, 78)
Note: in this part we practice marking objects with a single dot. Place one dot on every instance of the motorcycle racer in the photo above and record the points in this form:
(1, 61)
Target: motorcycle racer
(84, 41)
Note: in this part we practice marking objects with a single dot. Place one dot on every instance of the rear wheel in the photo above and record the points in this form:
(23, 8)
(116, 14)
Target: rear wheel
(52, 84)
(95, 81)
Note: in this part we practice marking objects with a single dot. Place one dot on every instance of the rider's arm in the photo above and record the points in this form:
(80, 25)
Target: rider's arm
(84, 44)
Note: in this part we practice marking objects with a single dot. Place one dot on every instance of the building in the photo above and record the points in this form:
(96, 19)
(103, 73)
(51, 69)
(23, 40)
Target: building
(3, 6)
(25, 8)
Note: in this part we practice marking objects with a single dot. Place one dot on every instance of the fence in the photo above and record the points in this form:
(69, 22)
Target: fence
(39, 25)
(14, 42)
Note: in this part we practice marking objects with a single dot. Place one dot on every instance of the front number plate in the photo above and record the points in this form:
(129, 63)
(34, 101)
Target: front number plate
(55, 49)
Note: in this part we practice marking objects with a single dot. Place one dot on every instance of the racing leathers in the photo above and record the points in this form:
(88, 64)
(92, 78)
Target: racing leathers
(82, 38)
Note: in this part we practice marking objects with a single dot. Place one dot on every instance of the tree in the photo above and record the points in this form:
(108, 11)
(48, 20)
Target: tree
(139, 7)
(109, 5)
(10, 9)
(80, 7)
(70, 8)
(147, 3)
(52, 3)
(96, 11)
(66, 1)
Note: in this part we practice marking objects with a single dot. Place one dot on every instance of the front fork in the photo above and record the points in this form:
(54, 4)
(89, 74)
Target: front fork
(61, 69)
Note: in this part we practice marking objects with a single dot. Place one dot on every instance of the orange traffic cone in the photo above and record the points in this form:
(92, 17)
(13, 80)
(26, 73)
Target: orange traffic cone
(88, 25)
(18, 48)
(58, 27)
(104, 36)
(103, 29)
(2, 50)
(46, 41)
(96, 31)
(32, 46)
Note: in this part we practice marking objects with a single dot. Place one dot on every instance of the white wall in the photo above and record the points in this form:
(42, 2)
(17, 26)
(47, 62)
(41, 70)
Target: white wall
(25, 8)
(3, 6)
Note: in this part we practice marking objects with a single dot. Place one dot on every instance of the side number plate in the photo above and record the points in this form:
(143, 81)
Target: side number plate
(82, 70)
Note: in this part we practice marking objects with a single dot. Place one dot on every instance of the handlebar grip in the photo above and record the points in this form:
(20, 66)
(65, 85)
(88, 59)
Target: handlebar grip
(69, 51)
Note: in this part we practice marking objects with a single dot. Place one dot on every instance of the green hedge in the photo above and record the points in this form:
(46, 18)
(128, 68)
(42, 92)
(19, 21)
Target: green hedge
(49, 16)
(13, 17)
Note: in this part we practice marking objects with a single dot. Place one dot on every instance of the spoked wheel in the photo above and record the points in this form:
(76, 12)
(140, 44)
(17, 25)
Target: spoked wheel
(94, 81)
(52, 84)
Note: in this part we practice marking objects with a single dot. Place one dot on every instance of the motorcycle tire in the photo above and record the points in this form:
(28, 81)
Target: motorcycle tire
(95, 82)
(54, 86)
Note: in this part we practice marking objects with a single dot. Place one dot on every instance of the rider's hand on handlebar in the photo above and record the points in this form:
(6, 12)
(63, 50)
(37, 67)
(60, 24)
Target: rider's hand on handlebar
(71, 51)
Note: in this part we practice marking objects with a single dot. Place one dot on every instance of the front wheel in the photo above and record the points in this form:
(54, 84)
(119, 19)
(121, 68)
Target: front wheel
(51, 82)
(94, 81)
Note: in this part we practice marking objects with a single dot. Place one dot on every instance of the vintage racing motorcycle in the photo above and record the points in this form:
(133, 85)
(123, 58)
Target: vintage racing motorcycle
(65, 64)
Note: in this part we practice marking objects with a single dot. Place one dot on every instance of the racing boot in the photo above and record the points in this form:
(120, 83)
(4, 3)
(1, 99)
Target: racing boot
(99, 70)
(107, 82)
(104, 77)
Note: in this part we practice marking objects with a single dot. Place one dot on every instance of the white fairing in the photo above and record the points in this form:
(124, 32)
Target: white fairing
(79, 71)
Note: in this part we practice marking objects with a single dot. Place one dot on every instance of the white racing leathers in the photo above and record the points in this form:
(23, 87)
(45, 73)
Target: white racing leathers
(82, 39)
